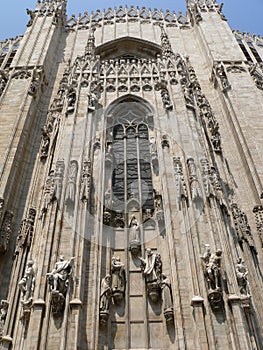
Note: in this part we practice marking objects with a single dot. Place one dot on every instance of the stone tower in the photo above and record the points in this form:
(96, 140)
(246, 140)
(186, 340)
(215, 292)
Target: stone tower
(131, 177)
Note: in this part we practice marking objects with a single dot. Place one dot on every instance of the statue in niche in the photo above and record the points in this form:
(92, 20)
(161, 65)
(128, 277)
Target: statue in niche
(212, 271)
(58, 280)
(152, 268)
(107, 199)
(241, 272)
(45, 143)
(167, 298)
(92, 100)
(85, 181)
(105, 296)
(3, 313)
(27, 283)
(49, 194)
(134, 236)
(118, 279)
(71, 185)
(71, 101)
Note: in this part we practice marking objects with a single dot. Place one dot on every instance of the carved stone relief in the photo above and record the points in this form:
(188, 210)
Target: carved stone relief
(71, 183)
(220, 73)
(258, 211)
(242, 227)
(256, 71)
(6, 230)
(3, 313)
(85, 181)
(26, 230)
(3, 81)
(180, 181)
(194, 184)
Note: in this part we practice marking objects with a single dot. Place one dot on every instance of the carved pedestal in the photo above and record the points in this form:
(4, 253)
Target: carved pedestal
(104, 316)
(135, 247)
(57, 303)
(215, 298)
(153, 291)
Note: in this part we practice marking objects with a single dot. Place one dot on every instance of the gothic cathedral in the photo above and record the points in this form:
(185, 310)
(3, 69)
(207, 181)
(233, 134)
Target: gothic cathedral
(131, 181)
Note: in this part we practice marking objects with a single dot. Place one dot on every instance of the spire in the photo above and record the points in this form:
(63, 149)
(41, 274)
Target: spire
(167, 50)
(90, 47)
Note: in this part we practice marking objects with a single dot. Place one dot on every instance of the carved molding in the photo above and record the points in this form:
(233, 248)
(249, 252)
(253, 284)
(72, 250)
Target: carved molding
(25, 234)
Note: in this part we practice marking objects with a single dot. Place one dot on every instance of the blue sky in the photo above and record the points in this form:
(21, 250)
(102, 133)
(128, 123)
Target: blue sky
(243, 15)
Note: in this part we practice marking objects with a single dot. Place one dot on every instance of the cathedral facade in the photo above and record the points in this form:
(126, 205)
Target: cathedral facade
(131, 178)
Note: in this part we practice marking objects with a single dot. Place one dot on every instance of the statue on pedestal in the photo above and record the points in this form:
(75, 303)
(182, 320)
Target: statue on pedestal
(58, 280)
(241, 272)
(118, 279)
(212, 272)
(134, 237)
(167, 298)
(105, 296)
(152, 267)
(26, 285)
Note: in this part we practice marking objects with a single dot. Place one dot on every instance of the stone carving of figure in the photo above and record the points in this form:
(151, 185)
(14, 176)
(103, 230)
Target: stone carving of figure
(58, 278)
(49, 194)
(3, 81)
(27, 283)
(153, 148)
(152, 269)
(107, 199)
(151, 266)
(45, 143)
(118, 278)
(93, 99)
(134, 230)
(206, 256)
(85, 181)
(134, 236)
(213, 270)
(241, 272)
(167, 298)
(71, 185)
(71, 101)
(3, 313)
(105, 293)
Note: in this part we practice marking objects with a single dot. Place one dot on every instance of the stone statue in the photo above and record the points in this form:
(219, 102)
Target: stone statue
(49, 194)
(58, 278)
(44, 143)
(241, 272)
(152, 268)
(93, 99)
(134, 236)
(71, 185)
(27, 283)
(213, 270)
(167, 298)
(105, 296)
(3, 313)
(85, 181)
(118, 279)
(206, 256)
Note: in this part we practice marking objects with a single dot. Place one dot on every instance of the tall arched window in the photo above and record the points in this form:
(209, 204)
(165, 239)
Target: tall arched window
(131, 178)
